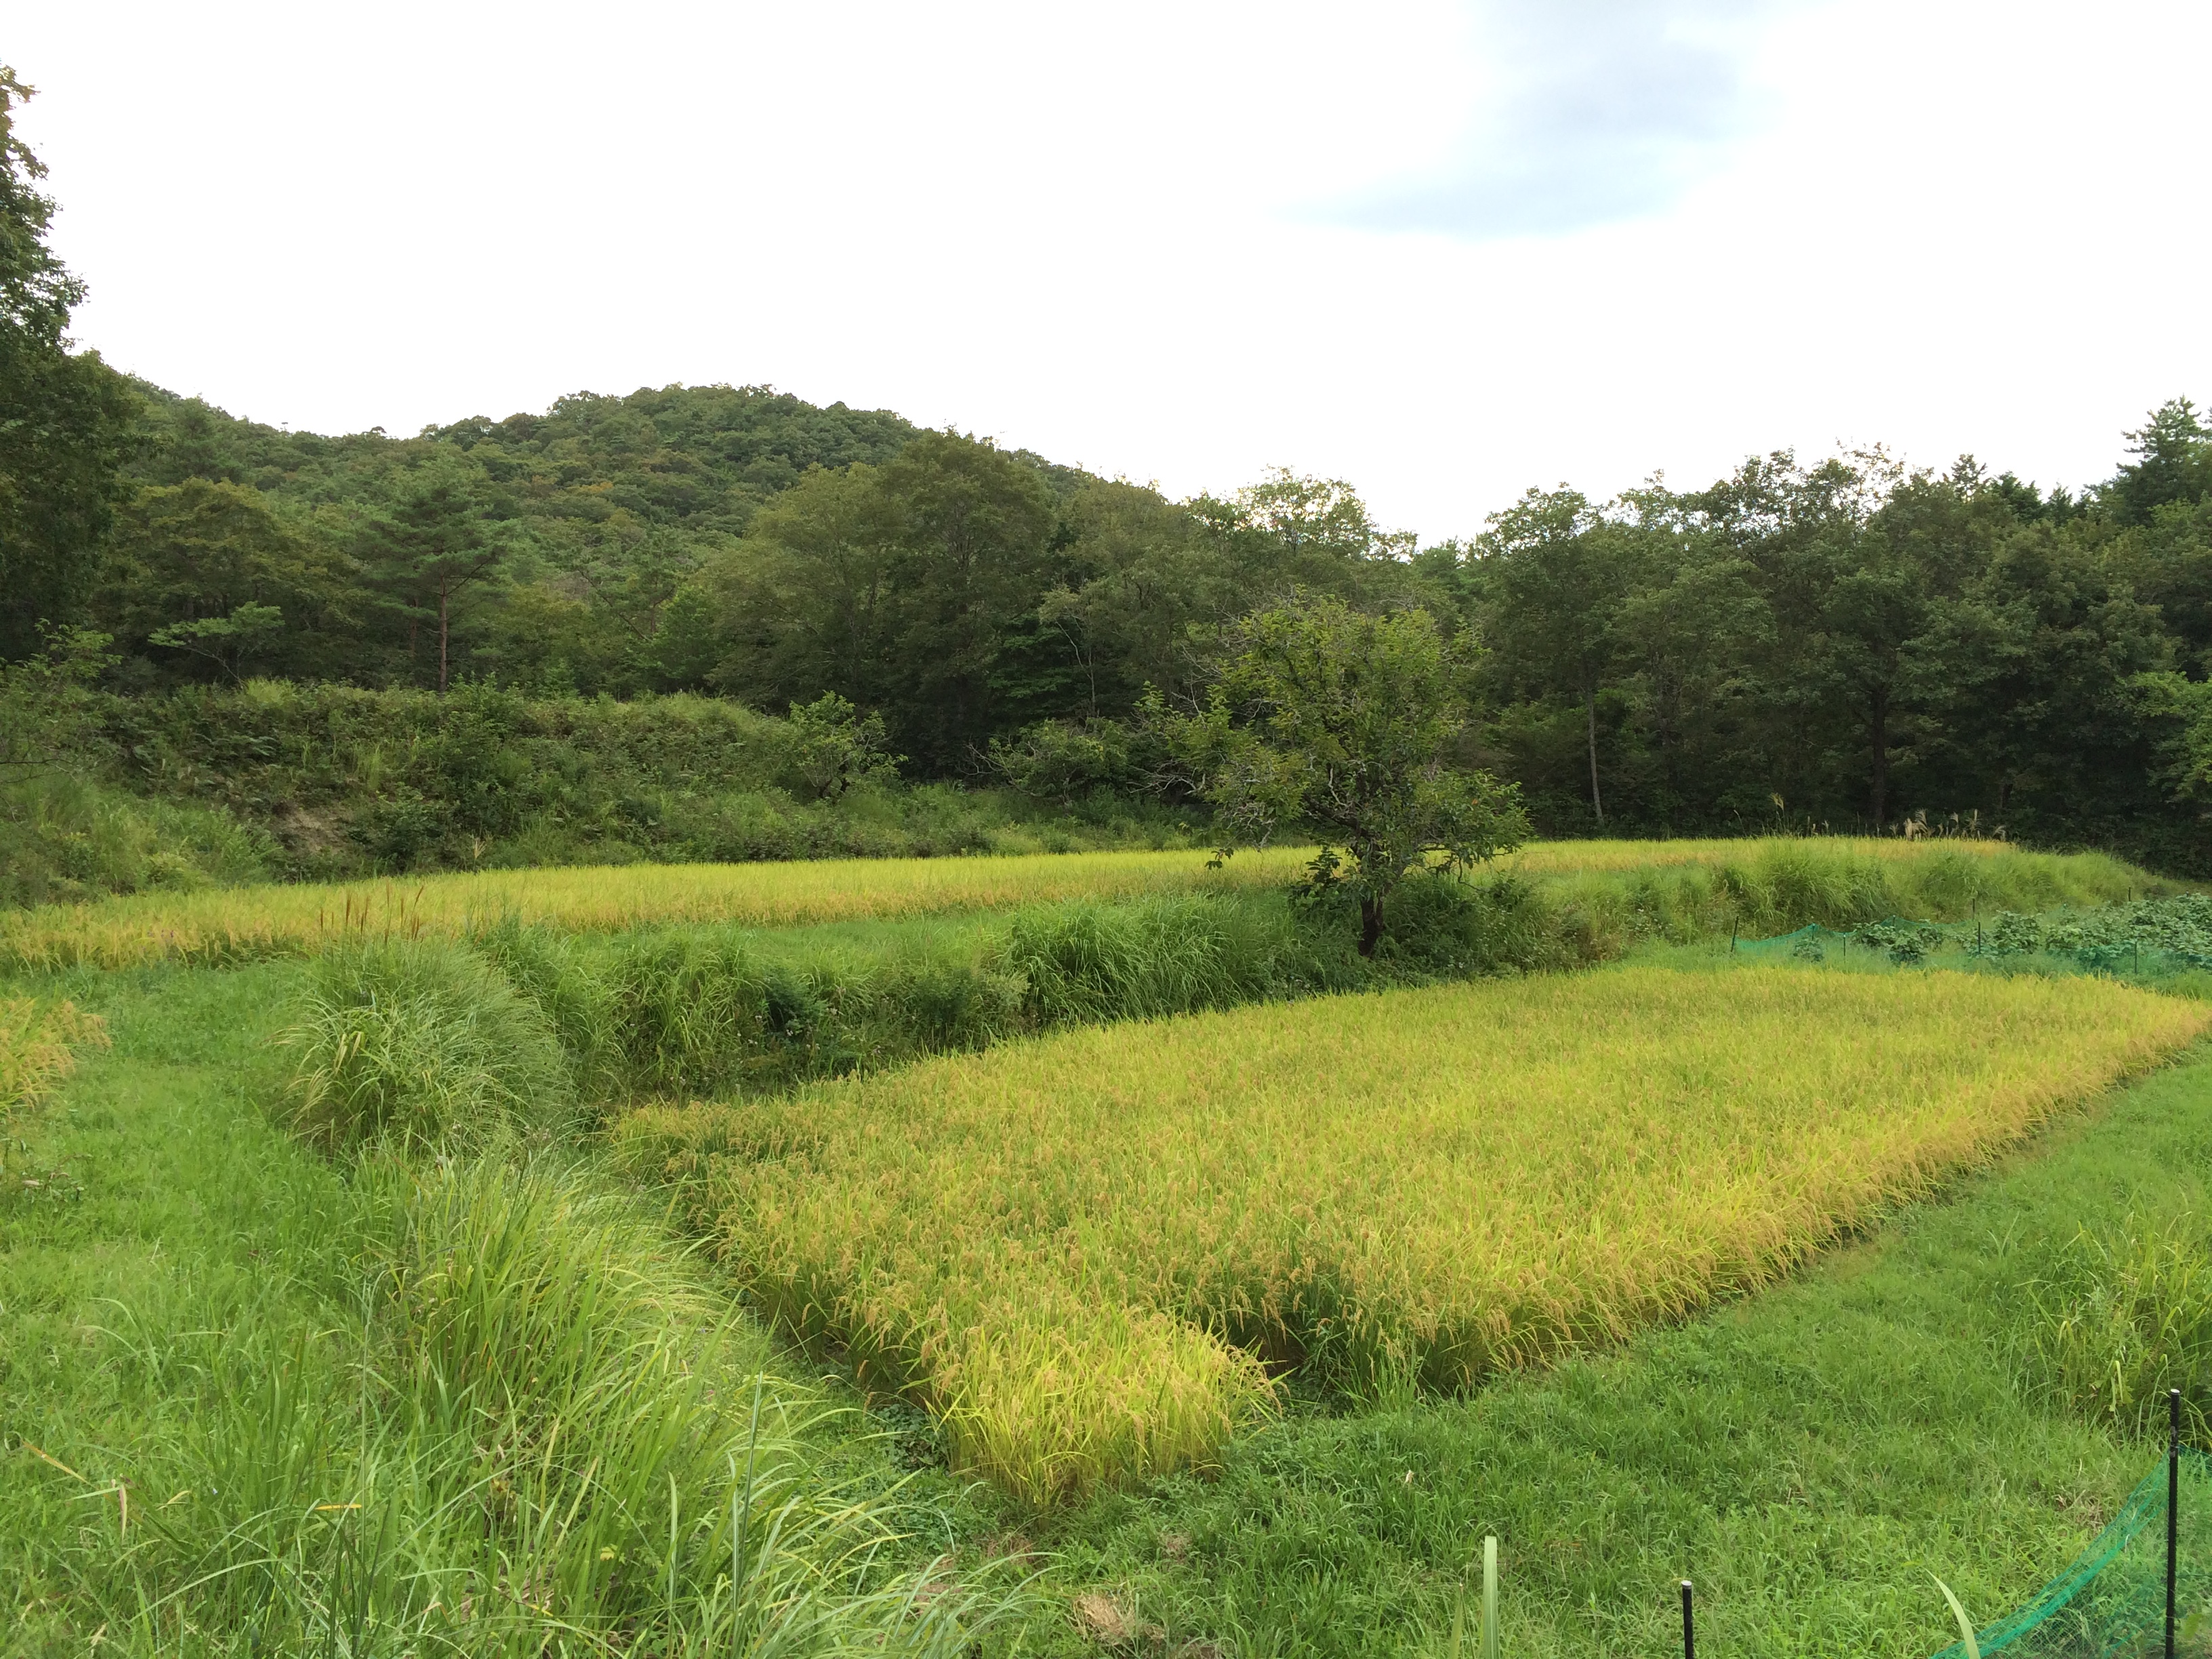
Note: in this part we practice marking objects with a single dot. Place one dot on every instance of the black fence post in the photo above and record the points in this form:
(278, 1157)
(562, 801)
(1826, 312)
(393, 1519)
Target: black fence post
(2173, 1505)
(1689, 1630)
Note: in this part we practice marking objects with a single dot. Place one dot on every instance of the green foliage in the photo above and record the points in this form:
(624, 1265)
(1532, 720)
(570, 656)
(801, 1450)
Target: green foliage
(834, 746)
(1327, 718)
(66, 831)
(64, 839)
(65, 416)
(345, 781)
(222, 572)
(1066, 761)
(419, 1046)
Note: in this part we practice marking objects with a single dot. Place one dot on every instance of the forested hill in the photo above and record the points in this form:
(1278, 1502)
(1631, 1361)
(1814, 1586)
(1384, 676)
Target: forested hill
(731, 540)
(365, 636)
(1847, 642)
(685, 458)
(565, 531)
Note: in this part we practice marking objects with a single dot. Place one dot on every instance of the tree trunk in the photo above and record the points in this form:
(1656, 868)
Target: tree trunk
(441, 638)
(1590, 707)
(1878, 711)
(1370, 925)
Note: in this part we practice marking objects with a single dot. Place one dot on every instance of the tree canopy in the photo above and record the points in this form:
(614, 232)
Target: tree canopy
(64, 416)
(1327, 720)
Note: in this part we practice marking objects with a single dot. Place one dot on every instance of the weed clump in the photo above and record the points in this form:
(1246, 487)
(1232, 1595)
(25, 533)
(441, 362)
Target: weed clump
(2127, 1317)
(422, 1046)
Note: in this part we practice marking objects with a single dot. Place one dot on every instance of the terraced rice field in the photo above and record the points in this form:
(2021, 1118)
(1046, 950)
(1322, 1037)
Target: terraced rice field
(243, 923)
(1087, 1255)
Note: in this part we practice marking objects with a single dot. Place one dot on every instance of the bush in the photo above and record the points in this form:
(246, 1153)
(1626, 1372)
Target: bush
(1065, 760)
(422, 1045)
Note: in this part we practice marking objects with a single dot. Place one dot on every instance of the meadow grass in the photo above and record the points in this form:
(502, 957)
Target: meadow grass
(245, 923)
(261, 1402)
(1084, 1252)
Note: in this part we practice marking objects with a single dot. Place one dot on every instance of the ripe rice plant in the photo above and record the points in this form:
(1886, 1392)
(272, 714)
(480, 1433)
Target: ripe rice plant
(247, 923)
(38, 1041)
(1085, 1253)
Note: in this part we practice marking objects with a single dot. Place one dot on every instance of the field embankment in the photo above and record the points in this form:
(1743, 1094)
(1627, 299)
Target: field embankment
(1082, 1252)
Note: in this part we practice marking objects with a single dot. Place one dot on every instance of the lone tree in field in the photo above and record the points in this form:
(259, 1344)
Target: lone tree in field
(1326, 719)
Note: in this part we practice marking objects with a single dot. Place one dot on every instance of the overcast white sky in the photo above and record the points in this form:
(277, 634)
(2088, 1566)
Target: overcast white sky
(1445, 250)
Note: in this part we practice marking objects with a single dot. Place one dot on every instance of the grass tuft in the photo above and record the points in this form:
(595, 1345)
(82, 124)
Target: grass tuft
(420, 1045)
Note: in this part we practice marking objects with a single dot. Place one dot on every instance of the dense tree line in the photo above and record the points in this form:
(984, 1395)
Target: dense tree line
(1847, 642)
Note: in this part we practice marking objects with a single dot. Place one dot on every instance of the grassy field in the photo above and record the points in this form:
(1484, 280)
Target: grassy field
(1082, 1251)
(259, 1401)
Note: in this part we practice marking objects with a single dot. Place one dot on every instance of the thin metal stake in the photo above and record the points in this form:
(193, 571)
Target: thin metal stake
(1689, 1629)
(2173, 1505)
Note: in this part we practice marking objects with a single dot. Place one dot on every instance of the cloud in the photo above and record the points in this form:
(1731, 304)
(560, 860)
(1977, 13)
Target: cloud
(1581, 112)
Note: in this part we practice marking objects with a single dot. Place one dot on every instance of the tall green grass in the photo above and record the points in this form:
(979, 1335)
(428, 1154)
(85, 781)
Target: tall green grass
(419, 1045)
(534, 1431)
(1761, 888)
(476, 1404)
(2127, 1315)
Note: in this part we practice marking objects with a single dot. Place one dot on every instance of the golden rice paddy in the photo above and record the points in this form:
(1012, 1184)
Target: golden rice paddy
(230, 924)
(1088, 1253)
(233, 924)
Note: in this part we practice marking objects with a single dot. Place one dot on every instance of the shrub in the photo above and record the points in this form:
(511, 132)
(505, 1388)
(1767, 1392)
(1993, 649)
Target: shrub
(421, 1044)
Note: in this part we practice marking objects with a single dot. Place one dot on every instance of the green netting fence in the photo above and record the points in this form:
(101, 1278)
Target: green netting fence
(2111, 1602)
